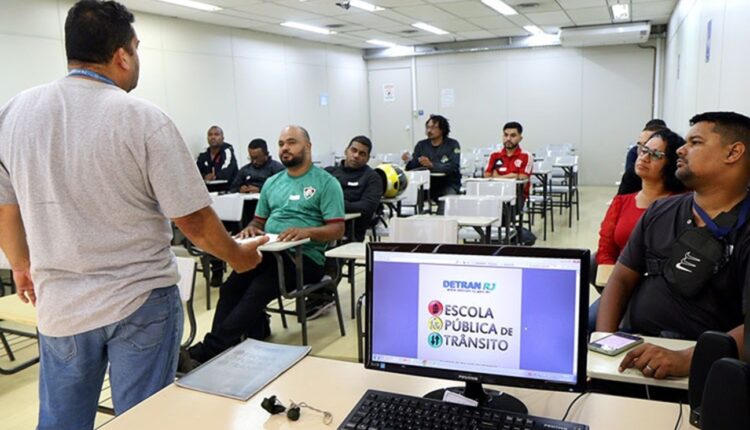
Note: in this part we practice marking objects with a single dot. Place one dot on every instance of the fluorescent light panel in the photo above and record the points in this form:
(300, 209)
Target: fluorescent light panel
(621, 12)
(500, 7)
(381, 43)
(194, 4)
(307, 27)
(365, 6)
(533, 29)
(430, 28)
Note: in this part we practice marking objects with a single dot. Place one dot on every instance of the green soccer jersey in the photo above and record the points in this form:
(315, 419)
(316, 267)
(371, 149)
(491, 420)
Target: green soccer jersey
(310, 200)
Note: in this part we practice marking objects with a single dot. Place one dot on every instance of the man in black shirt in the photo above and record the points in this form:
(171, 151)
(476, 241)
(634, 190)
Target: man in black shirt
(362, 186)
(253, 175)
(715, 163)
(439, 154)
(218, 162)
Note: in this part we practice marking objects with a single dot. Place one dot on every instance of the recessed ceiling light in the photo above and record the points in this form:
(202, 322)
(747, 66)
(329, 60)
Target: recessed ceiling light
(533, 29)
(307, 27)
(430, 28)
(500, 7)
(621, 12)
(359, 4)
(194, 4)
(381, 43)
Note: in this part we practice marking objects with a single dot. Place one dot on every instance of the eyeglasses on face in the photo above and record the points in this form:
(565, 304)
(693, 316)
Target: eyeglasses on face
(652, 153)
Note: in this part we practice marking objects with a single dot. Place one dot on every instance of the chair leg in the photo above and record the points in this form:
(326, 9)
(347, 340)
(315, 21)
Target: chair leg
(6, 345)
(281, 311)
(339, 313)
(302, 316)
(206, 269)
(578, 214)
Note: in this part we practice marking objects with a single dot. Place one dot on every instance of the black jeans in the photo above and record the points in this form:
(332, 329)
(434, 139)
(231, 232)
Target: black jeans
(242, 302)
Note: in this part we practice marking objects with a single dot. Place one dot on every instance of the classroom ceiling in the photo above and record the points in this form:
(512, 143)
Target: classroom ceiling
(464, 19)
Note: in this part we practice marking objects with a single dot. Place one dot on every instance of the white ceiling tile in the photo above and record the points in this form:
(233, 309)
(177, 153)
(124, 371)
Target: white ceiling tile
(596, 15)
(370, 20)
(467, 9)
(396, 3)
(492, 23)
(510, 32)
(318, 7)
(455, 26)
(425, 13)
(581, 4)
(652, 9)
(540, 6)
(519, 20)
(393, 15)
(434, 38)
(559, 19)
(472, 35)
(282, 13)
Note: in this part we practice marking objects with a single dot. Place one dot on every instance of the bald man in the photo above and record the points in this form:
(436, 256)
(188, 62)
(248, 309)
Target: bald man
(303, 202)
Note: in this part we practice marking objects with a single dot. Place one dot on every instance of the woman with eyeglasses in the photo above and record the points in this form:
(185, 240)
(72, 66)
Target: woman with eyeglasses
(656, 165)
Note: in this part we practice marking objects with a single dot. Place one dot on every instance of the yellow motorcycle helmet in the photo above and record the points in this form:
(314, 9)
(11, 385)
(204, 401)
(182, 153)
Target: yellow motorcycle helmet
(393, 178)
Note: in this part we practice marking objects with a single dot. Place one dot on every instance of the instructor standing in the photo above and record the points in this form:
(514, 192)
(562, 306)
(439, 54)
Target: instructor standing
(89, 178)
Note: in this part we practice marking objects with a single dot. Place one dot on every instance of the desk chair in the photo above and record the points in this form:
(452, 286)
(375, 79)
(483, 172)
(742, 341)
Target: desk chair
(567, 190)
(489, 206)
(540, 200)
(5, 266)
(503, 188)
(329, 282)
(430, 230)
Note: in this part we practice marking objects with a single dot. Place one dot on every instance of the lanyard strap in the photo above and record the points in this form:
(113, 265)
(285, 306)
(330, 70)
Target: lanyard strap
(720, 232)
(91, 74)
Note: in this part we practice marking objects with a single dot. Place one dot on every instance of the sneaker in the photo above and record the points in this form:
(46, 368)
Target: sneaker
(318, 307)
(186, 363)
(217, 278)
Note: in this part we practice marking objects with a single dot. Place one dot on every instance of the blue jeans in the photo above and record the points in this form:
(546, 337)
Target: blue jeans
(141, 351)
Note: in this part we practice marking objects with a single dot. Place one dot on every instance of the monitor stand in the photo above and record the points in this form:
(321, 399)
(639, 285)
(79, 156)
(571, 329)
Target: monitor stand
(492, 399)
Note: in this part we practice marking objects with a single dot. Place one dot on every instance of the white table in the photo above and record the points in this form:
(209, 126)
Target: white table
(605, 367)
(336, 386)
(482, 224)
(349, 252)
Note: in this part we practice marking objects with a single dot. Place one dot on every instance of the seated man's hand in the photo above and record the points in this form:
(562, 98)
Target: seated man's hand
(657, 362)
(292, 234)
(425, 162)
(405, 156)
(250, 231)
(209, 177)
(249, 189)
(249, 255)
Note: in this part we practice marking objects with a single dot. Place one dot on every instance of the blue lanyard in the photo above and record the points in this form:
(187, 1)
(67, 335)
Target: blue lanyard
(91, 74)
(720, 232)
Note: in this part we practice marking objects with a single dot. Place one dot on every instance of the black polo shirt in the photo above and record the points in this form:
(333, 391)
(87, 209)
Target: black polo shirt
(363, 189)
(255, 176)
(656, 307)
(445, 158)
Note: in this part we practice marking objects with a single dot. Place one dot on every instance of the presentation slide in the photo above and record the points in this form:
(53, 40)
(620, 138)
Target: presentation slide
(471, 316)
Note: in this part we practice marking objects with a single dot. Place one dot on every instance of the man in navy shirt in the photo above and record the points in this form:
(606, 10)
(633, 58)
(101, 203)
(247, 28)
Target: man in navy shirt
(253, 175)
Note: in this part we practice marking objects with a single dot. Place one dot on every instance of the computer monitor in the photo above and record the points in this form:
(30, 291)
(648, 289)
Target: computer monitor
(487, 314)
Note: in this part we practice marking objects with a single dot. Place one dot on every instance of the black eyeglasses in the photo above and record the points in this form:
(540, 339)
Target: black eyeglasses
(652, 153)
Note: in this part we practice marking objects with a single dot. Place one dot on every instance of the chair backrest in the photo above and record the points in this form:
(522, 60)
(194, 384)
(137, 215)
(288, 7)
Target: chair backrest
(186, 267)
(491, 206)
(497, 187)
(229, 207)
(428, 230)
(412, 187)
(422, 176)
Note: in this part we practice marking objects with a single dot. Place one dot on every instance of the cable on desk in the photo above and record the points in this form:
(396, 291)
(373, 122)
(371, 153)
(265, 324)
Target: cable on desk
(679, 417)
(572, 403)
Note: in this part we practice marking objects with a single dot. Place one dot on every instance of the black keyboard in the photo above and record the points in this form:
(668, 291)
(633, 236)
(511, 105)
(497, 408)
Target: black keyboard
(378, 410)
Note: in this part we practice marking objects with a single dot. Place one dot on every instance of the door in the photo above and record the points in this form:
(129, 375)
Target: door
(391, 110)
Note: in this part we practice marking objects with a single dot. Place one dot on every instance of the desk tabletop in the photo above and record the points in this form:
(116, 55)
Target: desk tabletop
(466, 221)
(503, 198)
(351, 216)
(600, 366)
(603, 272)
(274, 245)
(336, 386)
(349, 250)
(437, 174)
(217, 182)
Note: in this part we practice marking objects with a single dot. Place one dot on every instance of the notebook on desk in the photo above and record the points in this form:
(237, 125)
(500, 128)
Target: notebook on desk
(242, 371)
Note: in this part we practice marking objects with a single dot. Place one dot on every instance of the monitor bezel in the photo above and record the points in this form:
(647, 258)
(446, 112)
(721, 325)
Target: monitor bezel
(499, 250)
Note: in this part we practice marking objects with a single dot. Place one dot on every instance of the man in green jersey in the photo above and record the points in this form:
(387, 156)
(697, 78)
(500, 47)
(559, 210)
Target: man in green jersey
(301, 202)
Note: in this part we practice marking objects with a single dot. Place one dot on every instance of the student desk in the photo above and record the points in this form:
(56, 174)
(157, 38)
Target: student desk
(482, 224)
(336, 386)
(600, 366)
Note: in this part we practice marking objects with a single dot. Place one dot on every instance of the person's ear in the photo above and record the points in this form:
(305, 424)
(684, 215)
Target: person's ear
(736, 152)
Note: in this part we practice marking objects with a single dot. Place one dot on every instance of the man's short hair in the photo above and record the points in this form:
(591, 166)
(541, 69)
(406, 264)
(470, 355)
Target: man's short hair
(515, 125)
(215, 127)
(364, 140)
(258, 144)
(656, 124)
(302, 130)
(95, 30)
(732, 126)
(442, 123)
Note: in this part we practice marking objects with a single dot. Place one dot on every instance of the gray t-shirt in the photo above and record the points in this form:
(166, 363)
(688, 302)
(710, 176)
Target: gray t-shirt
(96, 173)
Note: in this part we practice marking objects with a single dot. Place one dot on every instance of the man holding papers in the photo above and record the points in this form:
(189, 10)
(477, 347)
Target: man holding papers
(305, 202)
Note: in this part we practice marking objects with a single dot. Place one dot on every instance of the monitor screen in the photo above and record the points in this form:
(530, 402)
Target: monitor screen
(491, 314)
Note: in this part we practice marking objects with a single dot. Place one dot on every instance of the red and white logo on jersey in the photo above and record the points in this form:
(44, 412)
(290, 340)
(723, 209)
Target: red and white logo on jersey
(309, 192)
(517, 163)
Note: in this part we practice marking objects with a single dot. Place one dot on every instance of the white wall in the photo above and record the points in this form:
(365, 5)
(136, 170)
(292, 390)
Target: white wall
(695, 84)
(595, 98)
(251, 84)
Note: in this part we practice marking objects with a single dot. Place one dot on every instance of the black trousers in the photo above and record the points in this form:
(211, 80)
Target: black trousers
(242, 302)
